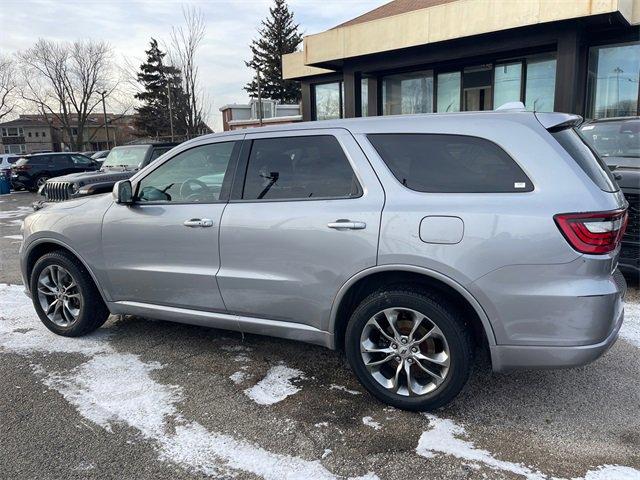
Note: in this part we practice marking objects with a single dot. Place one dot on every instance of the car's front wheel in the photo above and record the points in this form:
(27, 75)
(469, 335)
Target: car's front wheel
(409, 348)
(65, 297)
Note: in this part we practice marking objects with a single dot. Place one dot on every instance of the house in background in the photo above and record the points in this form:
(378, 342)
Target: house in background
(237, 116)
(34, 133)
(423, 56)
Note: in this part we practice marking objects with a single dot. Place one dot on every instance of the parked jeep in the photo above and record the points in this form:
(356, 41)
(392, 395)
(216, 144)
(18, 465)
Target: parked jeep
(121, 163)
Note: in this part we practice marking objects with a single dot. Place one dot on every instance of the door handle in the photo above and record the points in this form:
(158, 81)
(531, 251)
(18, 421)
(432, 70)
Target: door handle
(347, 225)
(198, 222)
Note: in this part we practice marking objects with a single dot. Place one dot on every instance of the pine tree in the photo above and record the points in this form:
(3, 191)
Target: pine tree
(152, 118)
(278, 35)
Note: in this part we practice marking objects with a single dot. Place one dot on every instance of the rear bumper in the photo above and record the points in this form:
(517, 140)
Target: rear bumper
(508, 357)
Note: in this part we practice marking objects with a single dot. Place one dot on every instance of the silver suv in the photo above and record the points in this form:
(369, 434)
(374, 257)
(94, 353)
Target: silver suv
(409, 242)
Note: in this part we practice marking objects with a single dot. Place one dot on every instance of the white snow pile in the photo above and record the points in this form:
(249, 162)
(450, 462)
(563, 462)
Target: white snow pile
(112, 389)
(447, 438)
(275, 386)
(370, 422)
(630, 330)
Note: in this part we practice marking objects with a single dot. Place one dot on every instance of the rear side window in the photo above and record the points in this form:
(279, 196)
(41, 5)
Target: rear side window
(586, 158)
(37, 160)
(299, 168)
(450, 163)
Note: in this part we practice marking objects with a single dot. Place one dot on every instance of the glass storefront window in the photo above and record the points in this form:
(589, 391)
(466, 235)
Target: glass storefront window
(364, 97)
(328, 101)
(507, 83)
(448, 92)
(540, 84)
(407, 93)
(612, 88)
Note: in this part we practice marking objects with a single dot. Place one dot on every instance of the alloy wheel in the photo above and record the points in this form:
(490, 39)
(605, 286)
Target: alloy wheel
(59, 295)
(405, 352)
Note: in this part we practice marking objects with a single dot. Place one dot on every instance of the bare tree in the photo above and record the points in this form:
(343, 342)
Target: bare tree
(8, 86)
(184, 45)
(65, 82)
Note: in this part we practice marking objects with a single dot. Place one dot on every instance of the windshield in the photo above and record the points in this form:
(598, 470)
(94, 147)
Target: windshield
(614, 139)
(130, 157)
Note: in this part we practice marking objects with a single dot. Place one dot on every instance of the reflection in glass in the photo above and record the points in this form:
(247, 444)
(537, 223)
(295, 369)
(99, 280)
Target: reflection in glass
(541, 84)
(613, 80)
(507, 83)
(407, 93)
(449, 92)
(327, 101)
(364, 97)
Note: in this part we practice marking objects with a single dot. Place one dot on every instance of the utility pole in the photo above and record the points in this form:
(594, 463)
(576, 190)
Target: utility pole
(104, 111)
(259, 96)
(170, 108)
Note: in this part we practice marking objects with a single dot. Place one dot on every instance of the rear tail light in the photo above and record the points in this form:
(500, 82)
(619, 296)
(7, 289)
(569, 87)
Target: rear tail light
(21, 168)
(594, 232)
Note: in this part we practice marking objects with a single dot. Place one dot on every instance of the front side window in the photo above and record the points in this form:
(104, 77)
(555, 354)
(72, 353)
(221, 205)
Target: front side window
(450, 163)
(614, 73)
(407, 93)
(80, 160)
(298, 168)
(328, 101)
(540, 84)
(193, 176)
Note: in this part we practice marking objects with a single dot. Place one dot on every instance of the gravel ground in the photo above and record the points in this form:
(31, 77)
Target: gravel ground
(149, 399)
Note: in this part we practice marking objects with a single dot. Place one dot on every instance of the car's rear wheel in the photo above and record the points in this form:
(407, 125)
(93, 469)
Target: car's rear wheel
(65, 297)
(40, 181)
(409, 348)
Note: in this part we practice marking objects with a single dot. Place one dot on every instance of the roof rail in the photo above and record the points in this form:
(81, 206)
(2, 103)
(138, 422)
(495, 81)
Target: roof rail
(511, 106)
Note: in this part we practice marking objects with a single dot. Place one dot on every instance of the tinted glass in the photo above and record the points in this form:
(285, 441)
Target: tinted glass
(586, 158)
(159, 151)
(327, 101)
(407, 93)
(450, 163)
(541, 84)
(192, 176)
(507, 83)
(449, 92)
(298, 168)
(614, 72)
(37, 160)
(80, 160)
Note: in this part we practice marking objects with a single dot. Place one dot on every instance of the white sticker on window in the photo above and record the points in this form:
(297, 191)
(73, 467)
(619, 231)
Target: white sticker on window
(519, 185)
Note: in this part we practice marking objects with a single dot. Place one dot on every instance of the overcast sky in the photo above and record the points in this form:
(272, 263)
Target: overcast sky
(128, 26)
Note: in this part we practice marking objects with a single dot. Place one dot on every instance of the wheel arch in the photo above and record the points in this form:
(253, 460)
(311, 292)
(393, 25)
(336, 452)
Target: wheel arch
(43, 246)
(370, 280)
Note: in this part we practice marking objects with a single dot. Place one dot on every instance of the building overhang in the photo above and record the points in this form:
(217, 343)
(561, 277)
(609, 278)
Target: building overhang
(449, 21)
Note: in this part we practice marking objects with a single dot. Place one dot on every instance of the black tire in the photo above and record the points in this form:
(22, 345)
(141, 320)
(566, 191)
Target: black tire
(39, 179)
(443, 315)
(93, 311)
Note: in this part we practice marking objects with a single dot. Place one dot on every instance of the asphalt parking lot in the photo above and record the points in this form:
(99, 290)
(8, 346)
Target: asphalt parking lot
(149, 399)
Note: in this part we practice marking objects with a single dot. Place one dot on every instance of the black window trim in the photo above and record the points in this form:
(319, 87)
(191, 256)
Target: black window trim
(518, 192)
(240, 175)
(226, 182)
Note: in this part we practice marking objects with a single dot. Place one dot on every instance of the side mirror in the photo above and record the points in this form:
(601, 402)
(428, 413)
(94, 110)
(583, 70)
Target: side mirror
(123, 192)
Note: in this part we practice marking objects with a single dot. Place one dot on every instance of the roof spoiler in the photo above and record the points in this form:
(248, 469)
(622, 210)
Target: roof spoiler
(558, 121)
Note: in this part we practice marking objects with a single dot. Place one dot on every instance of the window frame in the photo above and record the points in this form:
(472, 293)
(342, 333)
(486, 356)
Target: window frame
(243, 164)
(226, 182)
(532, 186)
(314, 110)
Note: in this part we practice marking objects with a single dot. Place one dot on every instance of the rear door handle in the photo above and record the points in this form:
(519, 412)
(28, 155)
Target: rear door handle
(198, 222)
(347, 225)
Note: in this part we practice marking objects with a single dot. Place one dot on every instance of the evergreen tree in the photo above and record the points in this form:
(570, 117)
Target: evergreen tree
(152, 118)
(278, 35)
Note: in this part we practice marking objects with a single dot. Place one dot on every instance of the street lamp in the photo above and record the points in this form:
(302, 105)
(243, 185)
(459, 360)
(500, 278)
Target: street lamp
(104, 111)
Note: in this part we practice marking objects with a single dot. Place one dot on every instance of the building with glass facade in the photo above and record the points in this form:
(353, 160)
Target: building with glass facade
(424, 56)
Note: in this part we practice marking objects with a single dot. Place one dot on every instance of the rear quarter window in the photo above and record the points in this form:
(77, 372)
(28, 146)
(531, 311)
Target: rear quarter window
(586, 158)
(450, 163)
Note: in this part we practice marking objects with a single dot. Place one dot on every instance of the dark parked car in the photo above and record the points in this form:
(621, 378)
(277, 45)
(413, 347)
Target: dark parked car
(121, 163)
(617, 140)
(32, 171)
(101, 155)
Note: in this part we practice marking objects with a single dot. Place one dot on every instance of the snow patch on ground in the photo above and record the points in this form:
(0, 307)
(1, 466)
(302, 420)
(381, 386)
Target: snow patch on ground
(370, 422)
(630, 330)
(113, 388)
(342, 388)
(275, 386)
(447, 437)
(19, 212)
(239, 377)
(13, 237)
